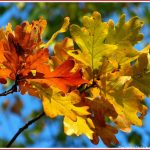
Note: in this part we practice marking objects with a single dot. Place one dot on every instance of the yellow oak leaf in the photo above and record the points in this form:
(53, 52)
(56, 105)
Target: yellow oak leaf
(141, 74)
(90, 40)
(125, 32)
(57, 103)
(78, 127)
(127, 103)
(123, 123)
(98, 40)
(125, 35)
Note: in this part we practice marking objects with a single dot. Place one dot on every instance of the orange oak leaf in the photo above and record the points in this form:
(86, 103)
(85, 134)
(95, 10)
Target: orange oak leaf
(62, 77)
(4, 72)
(28, 36)
(30, 54)
(20, 43)
(37, 62)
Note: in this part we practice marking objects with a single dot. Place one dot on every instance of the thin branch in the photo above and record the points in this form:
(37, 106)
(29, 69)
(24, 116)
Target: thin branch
(24, 127)
(12, 89)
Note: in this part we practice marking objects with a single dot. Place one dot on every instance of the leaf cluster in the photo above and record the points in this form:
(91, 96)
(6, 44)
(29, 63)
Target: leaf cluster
(99, 87)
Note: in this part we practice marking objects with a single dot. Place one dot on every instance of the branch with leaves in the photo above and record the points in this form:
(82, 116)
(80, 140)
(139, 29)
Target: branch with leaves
(105, 78)
(32, 120)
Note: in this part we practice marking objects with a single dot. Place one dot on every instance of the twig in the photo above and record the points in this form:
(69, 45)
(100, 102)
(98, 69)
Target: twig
(24, 127)
(12, 89)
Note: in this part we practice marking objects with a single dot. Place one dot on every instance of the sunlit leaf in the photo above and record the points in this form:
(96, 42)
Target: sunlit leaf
(97, 40)
(78, 127)
(56, 103)
(61, 77)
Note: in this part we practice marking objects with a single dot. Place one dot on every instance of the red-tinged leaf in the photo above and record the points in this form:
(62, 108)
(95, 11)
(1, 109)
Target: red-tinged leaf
(37, 62)
(4, 73)
(106, 133)
(25, 88)
(101, 109)
(62, 77)
(24, 41)
(11, 49)
(8, 64)
(2, 57)
(29, 35)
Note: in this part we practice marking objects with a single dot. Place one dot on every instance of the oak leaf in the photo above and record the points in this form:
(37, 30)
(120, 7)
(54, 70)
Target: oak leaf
(61, 77)
(127, 102)
(97, 40)
(78, 127)
(57, 103)
(140, 73)
(102, 109)
(20, 43)
(104, 81)
(106, 133)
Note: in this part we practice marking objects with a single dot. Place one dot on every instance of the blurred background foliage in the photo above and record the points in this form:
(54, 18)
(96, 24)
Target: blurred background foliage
(16, 110)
